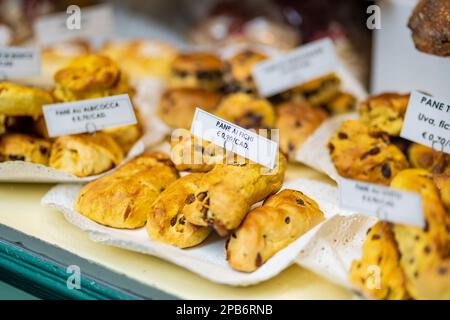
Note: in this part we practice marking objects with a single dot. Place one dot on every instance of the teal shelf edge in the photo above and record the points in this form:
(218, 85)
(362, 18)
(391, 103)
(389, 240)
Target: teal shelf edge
(47, 279)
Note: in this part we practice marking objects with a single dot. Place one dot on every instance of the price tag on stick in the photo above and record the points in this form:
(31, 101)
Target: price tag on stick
(88, 115)
(19, 62)
(231, 137)
(306, 63)
(386, 203)
(427, 121)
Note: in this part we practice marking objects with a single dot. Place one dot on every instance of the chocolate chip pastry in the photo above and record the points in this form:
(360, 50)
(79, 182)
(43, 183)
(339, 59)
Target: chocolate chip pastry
(384, 112)
(422, 249)
(200, 70)
(378, 273)
(361, 154)
(271, 227)
(123, 198)
(165, 220)
(226, 193)
(247, 111)
(24, 147)
(238, 75)
(296, 122)
(85, 154)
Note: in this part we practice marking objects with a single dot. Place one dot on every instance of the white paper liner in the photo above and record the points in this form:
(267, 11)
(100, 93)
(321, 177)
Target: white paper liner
(314, 152)
(207, 259)
(22, 171)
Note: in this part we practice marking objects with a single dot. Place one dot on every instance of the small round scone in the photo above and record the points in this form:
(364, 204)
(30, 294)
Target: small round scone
(247, 111)
(141, 58)
(296, 121)
(85, 154)
(199, 70)
(423, 157)
(239, 70)
(18, 100)
(360, 154)
(319, 91)
(24, 147)
(344, 102)
(384, 112)
(123, 198)
(88, 77)
(177, 105)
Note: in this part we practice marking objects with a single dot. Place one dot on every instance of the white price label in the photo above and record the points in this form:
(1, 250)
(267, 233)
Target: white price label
(233, 138)
(85, 22)
(88, 115)
(298, 66)
(398, 206)
(19, 62)
(427, 121)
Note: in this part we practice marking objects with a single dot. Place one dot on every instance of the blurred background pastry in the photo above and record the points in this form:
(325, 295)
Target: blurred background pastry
(23, 147)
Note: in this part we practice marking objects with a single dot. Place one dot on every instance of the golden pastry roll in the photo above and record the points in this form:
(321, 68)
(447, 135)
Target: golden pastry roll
(296, 122)
(88, 77)
(247, 111)
(166, 222)
(378, 273)
(16, 100)
(422, 249)
(85, 154)
(24, 147)
(424, 157)
(226, 193)
(123, 198)
(177, 106)
(361, 154)
(384, 112)
(267, 229)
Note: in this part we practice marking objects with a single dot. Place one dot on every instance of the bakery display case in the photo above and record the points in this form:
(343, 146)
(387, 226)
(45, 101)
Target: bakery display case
(233, 150)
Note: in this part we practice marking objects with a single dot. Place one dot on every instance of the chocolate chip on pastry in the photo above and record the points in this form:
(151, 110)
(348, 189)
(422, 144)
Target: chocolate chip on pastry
(296, 121)
(226, 193)
(177, 106)
(434, 284)
(384, 112)
(88, 77)
(422, 249)
(247, 111)
(430, 26)
(423, 157)
(271, 227)
(199, 70)
(239, 70)
(123, 198)
(166, 222)
(85, 154)
(358, 153)
(18, 100)
(378, 273)
(24, 147)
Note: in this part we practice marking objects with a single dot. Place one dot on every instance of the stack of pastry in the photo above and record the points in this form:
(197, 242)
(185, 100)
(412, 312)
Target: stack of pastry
(228, 90)
(23, 132)
(410, 262)
(215, 197)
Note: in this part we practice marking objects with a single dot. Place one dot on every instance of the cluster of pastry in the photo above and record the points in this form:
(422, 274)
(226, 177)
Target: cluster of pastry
(228, 90)
(147, 191)
(370, 149)
(398, 261)
(23, 133)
